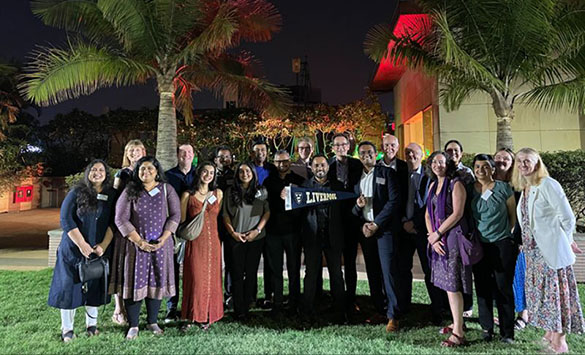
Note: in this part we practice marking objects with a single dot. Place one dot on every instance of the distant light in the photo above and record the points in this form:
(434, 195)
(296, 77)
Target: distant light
(32, 149)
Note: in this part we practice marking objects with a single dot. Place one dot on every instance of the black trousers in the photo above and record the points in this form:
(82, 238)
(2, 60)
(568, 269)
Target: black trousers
(494, 276)
(245, 259)
(313, 281)
(373, 267)
(406, 245)
(268, 289)
(277, 245)
(172, 302)
(133, 311)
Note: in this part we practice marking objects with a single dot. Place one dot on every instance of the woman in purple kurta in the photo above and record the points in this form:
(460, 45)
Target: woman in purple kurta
(147, 213)
(445, 223)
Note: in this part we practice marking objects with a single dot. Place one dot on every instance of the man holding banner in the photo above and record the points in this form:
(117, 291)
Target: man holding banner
(322, 233)
(378, 201)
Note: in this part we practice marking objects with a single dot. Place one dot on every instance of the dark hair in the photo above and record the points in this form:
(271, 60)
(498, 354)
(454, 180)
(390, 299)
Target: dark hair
(197, 179)
(237, 193)
(509, 151)
(451, 167)
(453, 141)
(135, 185)
(259, 142)
(219, 149)
(485, 157)
(320, 155)
(86, 194)
(362, 143)
(340, 134)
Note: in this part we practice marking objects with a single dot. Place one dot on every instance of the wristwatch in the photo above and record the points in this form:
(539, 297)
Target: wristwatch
(259, 230)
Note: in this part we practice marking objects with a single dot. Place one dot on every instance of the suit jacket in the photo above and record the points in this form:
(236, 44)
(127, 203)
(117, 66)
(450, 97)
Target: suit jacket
(402, 179)
(386, 200)
(418, 217)
(310, 226)
(354, 173)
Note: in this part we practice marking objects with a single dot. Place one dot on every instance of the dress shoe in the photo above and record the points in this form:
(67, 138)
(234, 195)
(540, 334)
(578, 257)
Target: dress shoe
(392, 326)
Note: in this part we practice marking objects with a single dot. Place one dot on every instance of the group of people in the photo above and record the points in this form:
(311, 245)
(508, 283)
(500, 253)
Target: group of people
(466, 224)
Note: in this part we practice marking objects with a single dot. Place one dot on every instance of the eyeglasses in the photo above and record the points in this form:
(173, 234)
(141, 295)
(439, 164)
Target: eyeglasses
(281, 161)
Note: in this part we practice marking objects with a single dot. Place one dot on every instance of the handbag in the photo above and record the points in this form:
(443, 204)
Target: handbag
(93, 269)
(470, 249)
(191, 230)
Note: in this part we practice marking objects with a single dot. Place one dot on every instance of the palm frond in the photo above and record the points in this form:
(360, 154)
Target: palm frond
(454, 92)
(177, 18)
(258, 20)
(55, 75)
(453, 54)
(135, 25)
(233, 76)
(82, 16)
(376, 42)
(217, 35)
(184, 90)
(565, 95)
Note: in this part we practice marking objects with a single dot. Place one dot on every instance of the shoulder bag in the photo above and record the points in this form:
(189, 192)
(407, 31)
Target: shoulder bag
(191, 230)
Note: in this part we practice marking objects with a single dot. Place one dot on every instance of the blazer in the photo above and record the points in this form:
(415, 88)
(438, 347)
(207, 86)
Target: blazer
(551, 221)
(354, 172)
(402, 178)
(418, 217)
(335, 220)
(386, 199)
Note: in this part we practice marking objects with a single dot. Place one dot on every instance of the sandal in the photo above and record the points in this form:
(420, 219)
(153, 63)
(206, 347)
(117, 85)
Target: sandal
(448, 329)
(155, 329)
(519, 323)
(185, 327)
(204, 326)
(119, 319)
(448, 343)
(132, 333)
(68, 336)
(92, 331)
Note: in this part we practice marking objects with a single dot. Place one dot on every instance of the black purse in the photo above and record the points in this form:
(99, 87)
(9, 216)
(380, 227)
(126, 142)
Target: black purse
(94, 269)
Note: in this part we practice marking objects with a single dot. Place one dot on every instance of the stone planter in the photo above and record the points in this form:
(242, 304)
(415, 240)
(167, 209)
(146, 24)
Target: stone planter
(54, 240)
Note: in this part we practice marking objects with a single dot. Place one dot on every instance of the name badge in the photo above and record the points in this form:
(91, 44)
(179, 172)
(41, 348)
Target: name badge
(258, 194)
(486, 195)
(154, 191)
(380, 181)
(102, 197)
(211, 199)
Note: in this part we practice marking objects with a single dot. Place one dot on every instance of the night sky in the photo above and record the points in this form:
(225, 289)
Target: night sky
(329, 33)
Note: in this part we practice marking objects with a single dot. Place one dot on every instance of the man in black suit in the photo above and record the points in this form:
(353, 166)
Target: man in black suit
(378, 201)
(322, 233)
(346, 171)
(390, 146)
(414, 234)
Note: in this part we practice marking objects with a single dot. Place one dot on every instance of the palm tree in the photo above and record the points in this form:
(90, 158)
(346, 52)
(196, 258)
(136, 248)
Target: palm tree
(528, 51)
(184, 45)
(10, 100)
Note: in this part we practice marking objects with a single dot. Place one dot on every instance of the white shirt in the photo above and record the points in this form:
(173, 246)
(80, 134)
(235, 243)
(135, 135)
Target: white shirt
(552, 222)
(392, 164)
(367, 190)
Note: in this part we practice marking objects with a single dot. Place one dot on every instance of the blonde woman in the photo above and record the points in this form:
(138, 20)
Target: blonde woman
(133, 151)
(547, 223)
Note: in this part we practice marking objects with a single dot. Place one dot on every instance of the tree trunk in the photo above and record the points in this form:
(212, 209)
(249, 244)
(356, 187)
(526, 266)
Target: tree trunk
(503, 107)
(166, 135)
(504, 134)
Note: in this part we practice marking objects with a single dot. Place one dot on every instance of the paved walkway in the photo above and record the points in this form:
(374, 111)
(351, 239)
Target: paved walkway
(24, 242)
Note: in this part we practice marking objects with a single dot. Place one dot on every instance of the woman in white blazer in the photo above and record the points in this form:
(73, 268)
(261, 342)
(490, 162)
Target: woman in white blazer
(547, 223)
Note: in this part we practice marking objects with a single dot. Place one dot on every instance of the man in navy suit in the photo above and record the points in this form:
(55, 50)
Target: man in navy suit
(378, 201)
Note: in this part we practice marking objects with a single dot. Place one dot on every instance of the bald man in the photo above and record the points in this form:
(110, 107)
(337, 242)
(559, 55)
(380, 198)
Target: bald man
(414, 234)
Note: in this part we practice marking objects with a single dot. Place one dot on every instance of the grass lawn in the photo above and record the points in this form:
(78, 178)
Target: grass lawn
(28, 325)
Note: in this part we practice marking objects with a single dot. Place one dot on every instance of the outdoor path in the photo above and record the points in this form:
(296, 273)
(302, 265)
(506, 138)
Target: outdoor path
(24, 242)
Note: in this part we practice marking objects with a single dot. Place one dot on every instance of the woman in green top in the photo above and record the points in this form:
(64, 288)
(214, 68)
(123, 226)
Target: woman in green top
(494, 211)
(245, 213)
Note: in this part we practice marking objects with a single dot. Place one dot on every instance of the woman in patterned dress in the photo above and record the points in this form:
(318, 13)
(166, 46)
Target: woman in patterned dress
(547, 223)
(202, 291)
(133, 151)
(147, 214)
(445, 223)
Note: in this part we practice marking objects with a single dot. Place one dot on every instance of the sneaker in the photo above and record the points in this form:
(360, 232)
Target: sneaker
(507, 340)
(468, 314)
(171, 316)
(487, 335)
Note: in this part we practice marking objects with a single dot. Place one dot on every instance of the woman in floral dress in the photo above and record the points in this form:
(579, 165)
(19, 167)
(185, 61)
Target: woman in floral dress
(547, 223)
